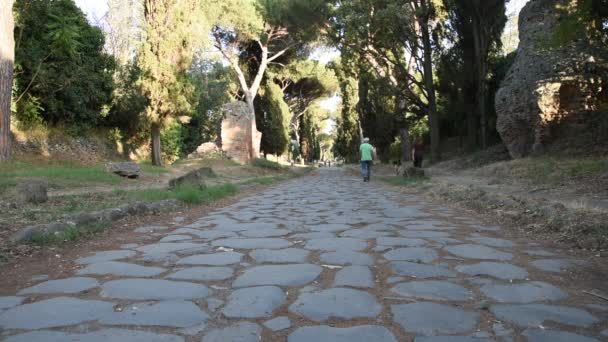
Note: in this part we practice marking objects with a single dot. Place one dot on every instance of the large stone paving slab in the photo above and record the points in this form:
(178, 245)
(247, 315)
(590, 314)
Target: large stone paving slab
(270, 243)
(239, 332)
(167, 247)
(494, 269)
(336, 244)
(104, 335)
(416, 254)
(542, 335)
(179, 314)
(340, 303)
(328, 227)
(362, 333)
(278, 324)
(153, 289)
(64, 286)
(8, 302)
(451, 339)
(416, 270)
(555, 265)
(254, 302)
(280, 275)
(344, 257)
(533, 315)
(214, 259)
(124, 269)
(280, 256)
(55, 312)
(105, 256)
(400, 242)
(534, 291)
(264, 233)
(203, 273)
(355, 276)
(434, 290)
(434, 319)
(479, 252)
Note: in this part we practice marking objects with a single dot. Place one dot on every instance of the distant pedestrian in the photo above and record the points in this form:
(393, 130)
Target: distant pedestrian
(418, 153)
(367, 151)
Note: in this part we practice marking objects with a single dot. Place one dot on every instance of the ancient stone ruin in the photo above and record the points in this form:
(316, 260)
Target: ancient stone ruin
(240, 138)
(206, 150)
(549, 85)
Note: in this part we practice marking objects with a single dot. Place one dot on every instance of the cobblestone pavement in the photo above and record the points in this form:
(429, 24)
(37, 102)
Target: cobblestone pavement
(320, 258)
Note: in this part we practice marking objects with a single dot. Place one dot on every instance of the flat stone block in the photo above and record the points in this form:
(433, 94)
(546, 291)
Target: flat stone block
(278, 324)
(203, 274)
(337, 303)
(55, 312)
(106, 256)
(542, 335)
(416, 254)
(416, 270)
(400, 242)
(280, 275)
(104, 335)
(215, 259)
(533, 315)
(8, 302)
(254, 302)
(345, 257)
(271, 243)
(535, 291)
(239, 332)
(434, 290)
(336, 244)
(280, 256)
(123, 269)
(494, 269)
(153, 289)
(355, 276)
(471, 251)
(179, 314)
(362, 333)
(434, 319)
(65, 286)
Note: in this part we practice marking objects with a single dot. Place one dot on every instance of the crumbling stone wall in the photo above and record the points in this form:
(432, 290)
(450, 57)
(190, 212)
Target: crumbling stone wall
(240, 139)
(547, 85)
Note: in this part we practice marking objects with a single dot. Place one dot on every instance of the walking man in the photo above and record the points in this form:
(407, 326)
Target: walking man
(366, 151)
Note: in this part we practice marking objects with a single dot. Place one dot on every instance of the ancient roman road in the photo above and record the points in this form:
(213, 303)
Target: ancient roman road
(320, 258)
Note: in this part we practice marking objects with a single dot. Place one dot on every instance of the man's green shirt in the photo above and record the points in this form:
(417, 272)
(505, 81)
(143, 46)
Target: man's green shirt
(366, 152)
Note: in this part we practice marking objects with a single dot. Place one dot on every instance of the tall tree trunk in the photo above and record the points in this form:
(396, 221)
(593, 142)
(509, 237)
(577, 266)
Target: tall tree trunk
(406, 149)
(157, 159)
(471, 128)
(480, 48)
(428, 80)
(7, 60)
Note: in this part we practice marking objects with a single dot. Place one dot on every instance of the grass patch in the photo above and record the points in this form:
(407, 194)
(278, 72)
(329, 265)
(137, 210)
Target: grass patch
(188, 194)
(267, 164)
(551, 171)
(404, 181)
(147, 167)
(70, 234)
(58, 175)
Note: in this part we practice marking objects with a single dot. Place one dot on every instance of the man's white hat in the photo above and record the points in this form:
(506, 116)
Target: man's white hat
(365, 140)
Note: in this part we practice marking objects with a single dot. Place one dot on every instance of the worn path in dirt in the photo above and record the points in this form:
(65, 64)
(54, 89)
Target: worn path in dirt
(321, 258)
